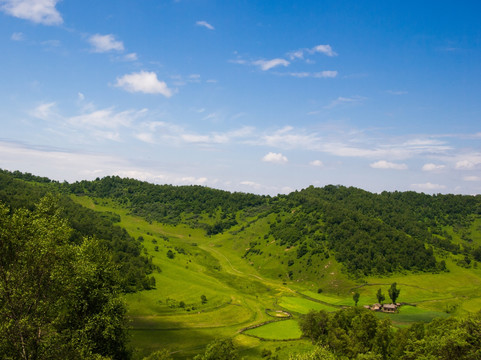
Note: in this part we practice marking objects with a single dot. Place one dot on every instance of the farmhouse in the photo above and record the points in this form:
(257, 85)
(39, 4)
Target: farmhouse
(388, 308)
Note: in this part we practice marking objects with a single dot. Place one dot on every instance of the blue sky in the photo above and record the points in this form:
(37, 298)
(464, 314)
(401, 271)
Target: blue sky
(255, 96)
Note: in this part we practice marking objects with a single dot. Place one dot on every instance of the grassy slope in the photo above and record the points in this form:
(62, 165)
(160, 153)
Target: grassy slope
(240, 290)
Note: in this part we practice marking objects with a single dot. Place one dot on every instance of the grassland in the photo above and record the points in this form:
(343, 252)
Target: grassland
(278, 330)
(238, 290)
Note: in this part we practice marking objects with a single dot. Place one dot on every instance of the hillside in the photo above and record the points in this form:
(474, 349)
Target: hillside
(367, 233)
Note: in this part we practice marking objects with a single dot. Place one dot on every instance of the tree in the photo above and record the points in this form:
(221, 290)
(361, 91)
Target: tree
(203, 299)
(58, 300)
(355, 297)
(170, 254)
(315, 325)
(380, 296)
(159, 355)
(221, 349)
(394, 292)
(319, 353)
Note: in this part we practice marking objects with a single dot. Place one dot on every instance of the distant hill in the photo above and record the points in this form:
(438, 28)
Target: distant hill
(367, 233)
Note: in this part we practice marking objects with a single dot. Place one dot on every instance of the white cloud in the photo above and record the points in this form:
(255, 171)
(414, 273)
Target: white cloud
(317, 163)
(383, 164)
(345, 100)
(323, 49)
(105, 43)
(432, 167)
(17, 36)
(37, 11)
(193, 180)
(467, 164)
(106, 119)
(317, 75)
(428, 186)
(298, 54)
(276, 158)
(205, 24)
(287, 138)
(251, 184)
(351, 143)
(472, 178)
(325, 74)
(44, 111)
(144, 82)
(166, 132)
(131, 57)
(269, 64)
(145, 137)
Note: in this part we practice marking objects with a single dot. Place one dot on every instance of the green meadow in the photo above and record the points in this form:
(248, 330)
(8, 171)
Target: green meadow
(208, 289)
(278, 330)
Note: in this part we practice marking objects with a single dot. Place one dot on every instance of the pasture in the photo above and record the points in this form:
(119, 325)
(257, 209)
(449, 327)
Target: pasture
(277, 330)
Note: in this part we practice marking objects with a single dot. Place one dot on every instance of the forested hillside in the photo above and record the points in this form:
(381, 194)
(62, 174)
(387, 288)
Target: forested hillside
(135, 267)
(368, 233)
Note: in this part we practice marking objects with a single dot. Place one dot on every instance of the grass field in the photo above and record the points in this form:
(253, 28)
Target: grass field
(409, 314)
(302, 306)
(239, 290)
(278, 330)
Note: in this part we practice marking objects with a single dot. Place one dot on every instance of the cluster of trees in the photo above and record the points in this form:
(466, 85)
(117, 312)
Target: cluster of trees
(58, 299)
(134, 267)
(167, 203)
(375, 233)
(393, 294)
(356, 333)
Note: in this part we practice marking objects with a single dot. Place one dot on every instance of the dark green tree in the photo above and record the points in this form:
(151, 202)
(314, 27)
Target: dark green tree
(221, 349)
(380, 296)
(355, 297)
(159, 355)
(315, 325)
(394, 292)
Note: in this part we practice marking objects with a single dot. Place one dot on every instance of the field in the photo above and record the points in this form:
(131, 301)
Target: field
(238, 292)
(278, 330)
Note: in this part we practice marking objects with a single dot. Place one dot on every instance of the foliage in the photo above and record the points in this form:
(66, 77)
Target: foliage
(319, 353)
(57, 299)
(394, 292)
(159, 355)
(357, 334)
(167, 203)
(355, 297)
(221, 349)
(380, 296)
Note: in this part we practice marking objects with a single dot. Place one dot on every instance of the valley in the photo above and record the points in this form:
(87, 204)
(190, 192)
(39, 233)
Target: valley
(240, 292)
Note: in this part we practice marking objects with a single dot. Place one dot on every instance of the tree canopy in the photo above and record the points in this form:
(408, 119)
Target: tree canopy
(58, 299)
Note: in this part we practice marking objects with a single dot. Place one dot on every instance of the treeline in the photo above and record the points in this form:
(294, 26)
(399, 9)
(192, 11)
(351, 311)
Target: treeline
(126, 251)
(356, 333)
(167, 203)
